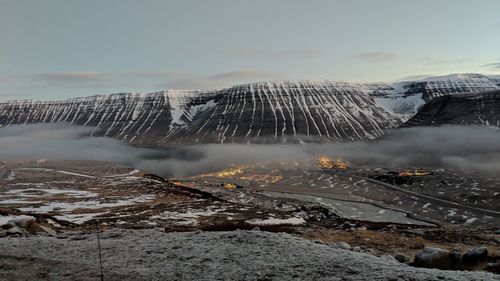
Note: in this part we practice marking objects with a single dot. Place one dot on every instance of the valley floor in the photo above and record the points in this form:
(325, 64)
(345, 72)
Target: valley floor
(258, 222)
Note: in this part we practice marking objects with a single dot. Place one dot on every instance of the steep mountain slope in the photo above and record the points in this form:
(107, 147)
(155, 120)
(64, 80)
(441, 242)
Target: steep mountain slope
(469, 109)
(260, 112)
(307, 110)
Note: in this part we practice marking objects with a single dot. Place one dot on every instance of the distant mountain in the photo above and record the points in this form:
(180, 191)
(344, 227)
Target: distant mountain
(405, 98)
(279, 111)
(460, 109)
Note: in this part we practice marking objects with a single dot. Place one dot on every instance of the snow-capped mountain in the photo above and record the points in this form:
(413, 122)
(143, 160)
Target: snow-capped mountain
(303, 110)
(460, 109)
(259, 112)
(279, 111)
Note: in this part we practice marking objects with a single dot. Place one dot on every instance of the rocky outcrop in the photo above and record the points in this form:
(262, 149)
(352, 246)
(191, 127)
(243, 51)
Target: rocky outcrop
(475, 258)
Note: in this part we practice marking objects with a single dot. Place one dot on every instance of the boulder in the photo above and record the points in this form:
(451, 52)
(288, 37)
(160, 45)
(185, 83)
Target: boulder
(402, 258)
(475, 256)
(437, 258)
(341, 245)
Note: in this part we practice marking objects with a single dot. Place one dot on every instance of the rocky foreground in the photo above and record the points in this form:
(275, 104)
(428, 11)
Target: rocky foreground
(151, 254)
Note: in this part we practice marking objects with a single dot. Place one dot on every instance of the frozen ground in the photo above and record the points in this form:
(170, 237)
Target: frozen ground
(237, 255)
(74, 194)
(70, 197)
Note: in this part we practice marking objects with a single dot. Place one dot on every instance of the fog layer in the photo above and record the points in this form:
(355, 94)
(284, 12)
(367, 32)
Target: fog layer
(472, 147)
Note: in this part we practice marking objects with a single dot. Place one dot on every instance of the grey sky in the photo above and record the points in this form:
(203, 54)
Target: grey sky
(62, 48)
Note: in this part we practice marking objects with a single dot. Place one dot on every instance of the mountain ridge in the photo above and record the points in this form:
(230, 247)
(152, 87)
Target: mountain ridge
(271, 111)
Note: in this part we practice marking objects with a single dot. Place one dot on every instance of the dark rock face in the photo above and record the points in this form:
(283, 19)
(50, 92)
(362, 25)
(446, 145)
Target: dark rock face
(261, 112)
(466, 109)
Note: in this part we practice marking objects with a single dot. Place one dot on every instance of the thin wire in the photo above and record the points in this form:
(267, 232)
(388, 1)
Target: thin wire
(99, 247)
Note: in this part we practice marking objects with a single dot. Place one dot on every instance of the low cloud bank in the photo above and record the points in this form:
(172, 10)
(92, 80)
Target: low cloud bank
(474, 148)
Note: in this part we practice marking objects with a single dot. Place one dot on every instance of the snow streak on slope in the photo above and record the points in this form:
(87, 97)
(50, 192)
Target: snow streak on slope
(184, 106)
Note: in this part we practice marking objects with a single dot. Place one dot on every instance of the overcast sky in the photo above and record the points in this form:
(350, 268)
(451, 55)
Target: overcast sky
(55, 49)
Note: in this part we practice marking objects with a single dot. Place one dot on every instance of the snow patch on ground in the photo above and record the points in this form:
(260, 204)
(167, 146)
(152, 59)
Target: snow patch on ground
(77, 218)
(89, 204)
(275, 221)
(6, 219)
(35, 192)
(18, 201)
(189, 217)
